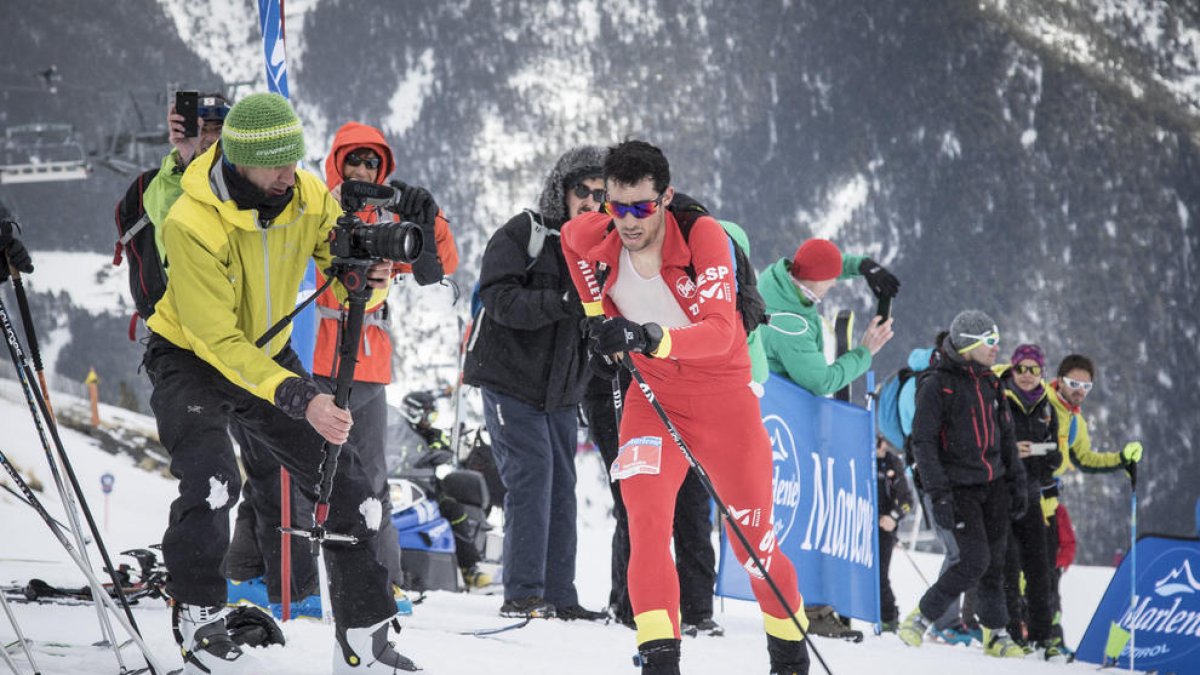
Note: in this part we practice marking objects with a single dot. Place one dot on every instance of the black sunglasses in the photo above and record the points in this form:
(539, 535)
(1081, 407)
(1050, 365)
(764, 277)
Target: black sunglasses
(583, 192)
(371, 163)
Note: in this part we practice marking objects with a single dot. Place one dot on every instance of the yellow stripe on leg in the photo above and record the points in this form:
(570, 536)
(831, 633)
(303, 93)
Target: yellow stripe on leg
(785, 629)
(654, 625)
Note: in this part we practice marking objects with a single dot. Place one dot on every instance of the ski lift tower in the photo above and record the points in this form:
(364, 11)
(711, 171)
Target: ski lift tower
(38, 153)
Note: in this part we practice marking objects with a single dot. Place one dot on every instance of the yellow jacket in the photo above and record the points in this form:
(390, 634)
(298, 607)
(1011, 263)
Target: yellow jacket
(1079, 447)
(231, 279)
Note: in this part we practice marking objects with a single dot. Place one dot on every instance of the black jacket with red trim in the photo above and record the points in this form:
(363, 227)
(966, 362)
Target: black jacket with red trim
(963, 428)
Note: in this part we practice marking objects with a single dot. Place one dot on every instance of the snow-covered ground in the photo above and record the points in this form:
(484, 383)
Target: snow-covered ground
(137, 515)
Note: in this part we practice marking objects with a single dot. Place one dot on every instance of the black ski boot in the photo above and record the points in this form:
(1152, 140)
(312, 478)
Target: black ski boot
(658, 657)
(788, 657)
(368, 651)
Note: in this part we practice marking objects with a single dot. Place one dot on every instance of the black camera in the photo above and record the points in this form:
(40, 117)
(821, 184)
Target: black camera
(352, 239)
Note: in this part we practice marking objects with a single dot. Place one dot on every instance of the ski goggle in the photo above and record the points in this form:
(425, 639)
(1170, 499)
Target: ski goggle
(358, 160)
(990, 339)
(638, 210)
(1027, 370)
(583, 192)
(1076, 384)
(212, 109)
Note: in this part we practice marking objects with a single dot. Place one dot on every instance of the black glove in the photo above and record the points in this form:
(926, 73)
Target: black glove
(943, 512)
(602, 366)
(619, 334)
(12, 251)
(1018, 500)
(881, 281)
(415, 205)
(252, 627)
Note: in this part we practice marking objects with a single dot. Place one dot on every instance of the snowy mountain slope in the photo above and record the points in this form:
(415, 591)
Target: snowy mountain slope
(1032, 158)
(431, 636)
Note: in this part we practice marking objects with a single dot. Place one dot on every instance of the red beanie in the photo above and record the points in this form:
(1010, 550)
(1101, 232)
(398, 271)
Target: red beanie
(817, 260)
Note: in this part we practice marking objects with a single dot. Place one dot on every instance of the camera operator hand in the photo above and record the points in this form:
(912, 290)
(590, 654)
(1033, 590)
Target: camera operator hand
(332, 422)
(415, 205)
(380, 274)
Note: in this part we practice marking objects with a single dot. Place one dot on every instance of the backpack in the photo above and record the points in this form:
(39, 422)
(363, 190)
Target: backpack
(750, 304)
(533, 248)
(147, 273)
(887, 408)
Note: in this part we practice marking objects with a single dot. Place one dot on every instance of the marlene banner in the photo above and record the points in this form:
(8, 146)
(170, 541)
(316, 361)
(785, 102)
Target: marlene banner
(825, 504)
(1153, 618)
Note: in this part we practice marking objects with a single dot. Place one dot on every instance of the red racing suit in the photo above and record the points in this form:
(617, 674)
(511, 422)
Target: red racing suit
(700, 374)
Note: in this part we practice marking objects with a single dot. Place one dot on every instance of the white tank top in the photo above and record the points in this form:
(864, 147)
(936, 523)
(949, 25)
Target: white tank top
(645, 300)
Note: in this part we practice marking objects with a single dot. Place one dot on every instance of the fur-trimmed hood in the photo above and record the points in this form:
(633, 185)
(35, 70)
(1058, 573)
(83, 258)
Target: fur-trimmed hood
(579, 162)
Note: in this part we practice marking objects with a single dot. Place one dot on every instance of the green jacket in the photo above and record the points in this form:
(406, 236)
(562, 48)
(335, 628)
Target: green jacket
(759, 371)
(161, 194)
(798, 352)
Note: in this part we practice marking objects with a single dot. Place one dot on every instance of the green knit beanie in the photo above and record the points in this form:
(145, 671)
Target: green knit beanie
(262, 130)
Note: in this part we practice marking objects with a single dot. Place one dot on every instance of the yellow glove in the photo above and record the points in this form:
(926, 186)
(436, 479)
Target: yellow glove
(1131, 453)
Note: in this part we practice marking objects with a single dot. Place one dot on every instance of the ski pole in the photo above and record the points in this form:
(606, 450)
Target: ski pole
(1132, 560)
(57, 522)
(712, 492)
(914, 565)
(30, 334)
(36, 403)
(12, 619)
(98, 592)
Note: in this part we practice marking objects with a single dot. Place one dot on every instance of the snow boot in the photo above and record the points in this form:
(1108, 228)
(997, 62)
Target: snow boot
(533, 607)
(823, 621)
(1053, 650)
(367, 651)
(959, 634)
(658, 657)
(788, 657)
(912, 629)
(248, 592)
(573, 612)
(999, 643)
(473, 577)
(205, 642)
(702, 627)
(252, 627)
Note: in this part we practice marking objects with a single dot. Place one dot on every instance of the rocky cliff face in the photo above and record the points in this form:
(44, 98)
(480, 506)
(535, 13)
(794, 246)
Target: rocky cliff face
(1018, 157)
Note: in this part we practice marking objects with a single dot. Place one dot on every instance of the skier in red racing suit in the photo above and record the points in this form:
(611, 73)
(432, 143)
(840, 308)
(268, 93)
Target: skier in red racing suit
(630, 264)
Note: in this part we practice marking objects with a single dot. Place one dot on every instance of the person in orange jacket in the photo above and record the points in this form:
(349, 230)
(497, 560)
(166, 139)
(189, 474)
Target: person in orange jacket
(359, 152)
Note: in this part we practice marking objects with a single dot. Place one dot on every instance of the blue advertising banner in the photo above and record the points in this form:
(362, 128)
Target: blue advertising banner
(1161, 626)
(270, 22)
(825, 501)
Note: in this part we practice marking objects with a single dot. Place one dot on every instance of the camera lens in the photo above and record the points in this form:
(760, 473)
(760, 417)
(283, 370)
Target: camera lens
(402, 242)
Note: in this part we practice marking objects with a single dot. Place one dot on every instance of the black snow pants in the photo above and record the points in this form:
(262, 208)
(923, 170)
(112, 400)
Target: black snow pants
(1029, 540)
(981, 515)
(195, 406)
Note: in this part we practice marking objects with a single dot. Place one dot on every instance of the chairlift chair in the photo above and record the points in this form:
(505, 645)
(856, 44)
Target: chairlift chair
(38, 153)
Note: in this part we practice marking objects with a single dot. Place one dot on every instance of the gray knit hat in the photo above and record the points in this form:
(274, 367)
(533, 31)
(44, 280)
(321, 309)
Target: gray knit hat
(576, 164)
(969, 327)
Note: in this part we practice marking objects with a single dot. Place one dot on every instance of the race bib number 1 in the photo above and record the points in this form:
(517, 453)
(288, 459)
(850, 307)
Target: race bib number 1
(638, 455)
